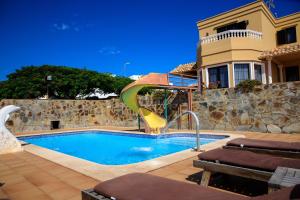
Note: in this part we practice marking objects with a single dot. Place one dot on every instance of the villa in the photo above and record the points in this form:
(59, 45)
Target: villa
(248, 42)
(176, 142)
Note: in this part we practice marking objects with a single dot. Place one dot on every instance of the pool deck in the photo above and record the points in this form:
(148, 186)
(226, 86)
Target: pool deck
(28, 176)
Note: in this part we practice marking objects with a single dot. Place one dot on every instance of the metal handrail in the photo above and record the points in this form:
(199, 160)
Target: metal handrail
(197, 126)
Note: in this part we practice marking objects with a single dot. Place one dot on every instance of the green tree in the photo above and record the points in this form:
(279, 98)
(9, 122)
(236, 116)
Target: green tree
(119, 83)
(67, 82)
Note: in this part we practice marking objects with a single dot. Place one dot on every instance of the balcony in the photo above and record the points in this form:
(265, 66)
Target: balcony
(231, 34)
(229, 46)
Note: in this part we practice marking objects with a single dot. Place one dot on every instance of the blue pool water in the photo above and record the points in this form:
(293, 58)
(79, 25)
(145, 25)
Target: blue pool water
(110, 148)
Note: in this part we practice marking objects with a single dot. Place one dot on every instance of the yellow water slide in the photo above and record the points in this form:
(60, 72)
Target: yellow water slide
(153, 122)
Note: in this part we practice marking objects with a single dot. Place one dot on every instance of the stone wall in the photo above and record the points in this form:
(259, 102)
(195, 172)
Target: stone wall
(269, 108)
(38, 114)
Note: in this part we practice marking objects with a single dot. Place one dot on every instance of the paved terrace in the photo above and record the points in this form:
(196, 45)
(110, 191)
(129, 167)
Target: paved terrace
(27, 176)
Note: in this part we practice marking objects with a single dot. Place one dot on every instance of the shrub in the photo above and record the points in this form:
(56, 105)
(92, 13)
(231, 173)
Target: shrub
(160, 94)
(247, 85)
(212, 85)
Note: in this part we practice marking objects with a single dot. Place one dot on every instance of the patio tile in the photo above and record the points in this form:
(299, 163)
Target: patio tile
(57, 170)
(189, 171)
(18, 187)
(178, 177)
(75, 198)
(74, 179)
(12, 179)
(40, 178)
(6, 172)
(64, 193)
(53, 186)
(85, 185)
(28, 170)
(31, 194)
(161, 172)
(68, 175)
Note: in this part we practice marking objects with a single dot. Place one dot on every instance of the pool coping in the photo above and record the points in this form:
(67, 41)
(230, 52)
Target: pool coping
(106, 172)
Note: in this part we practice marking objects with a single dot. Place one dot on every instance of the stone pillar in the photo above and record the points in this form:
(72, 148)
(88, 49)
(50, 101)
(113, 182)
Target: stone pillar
(269, 70)
(252, 71)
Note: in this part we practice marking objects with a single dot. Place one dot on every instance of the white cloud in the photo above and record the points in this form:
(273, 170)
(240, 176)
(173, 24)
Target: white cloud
(135, 77)
(61, 27)
(109, 51)
(65, 27)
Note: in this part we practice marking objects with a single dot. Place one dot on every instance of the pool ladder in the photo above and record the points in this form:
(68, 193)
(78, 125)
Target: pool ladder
(197, 126)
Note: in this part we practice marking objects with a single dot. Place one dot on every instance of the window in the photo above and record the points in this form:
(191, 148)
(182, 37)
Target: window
(241, 72)
(286, 36)
(258, 72)
(235, 26)
(292, 73)
(218, 76)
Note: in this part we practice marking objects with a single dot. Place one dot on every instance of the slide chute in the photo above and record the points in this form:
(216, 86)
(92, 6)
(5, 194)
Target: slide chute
(153, 121)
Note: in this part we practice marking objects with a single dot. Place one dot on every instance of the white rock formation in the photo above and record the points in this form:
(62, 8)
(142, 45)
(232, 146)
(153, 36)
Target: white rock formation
(8, 142)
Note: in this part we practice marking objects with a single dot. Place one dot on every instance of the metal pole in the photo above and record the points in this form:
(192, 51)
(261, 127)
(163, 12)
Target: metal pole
(166, 105)
(139, 122)
(200, 86)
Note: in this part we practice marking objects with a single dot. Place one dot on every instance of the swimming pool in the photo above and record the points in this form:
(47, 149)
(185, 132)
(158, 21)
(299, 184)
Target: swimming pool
(117, 148)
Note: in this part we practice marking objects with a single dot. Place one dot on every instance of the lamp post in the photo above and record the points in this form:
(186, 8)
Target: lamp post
(124, 68)
(48, 79)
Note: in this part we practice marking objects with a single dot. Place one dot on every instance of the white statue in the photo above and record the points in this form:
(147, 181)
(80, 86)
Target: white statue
(8, 142)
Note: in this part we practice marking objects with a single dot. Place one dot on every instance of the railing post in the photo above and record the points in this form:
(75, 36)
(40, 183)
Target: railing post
(231, 34)
(165, 106)
(197, 126)
(139, 122)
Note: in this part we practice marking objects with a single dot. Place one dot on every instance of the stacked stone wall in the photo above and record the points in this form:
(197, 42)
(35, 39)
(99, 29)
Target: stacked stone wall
(269, 108)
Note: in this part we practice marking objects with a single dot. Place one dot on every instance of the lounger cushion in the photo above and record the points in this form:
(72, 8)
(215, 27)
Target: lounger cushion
(139, 186)
(248, 159)
(264, 144)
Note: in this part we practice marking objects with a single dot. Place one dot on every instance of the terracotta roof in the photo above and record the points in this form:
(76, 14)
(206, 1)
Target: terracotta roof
(280, 51)
(184, 68)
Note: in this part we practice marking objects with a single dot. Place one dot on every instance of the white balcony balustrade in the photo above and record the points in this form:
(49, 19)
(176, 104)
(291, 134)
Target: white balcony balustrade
(231, 34)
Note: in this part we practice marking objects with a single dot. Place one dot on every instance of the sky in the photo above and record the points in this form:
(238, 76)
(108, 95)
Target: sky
(123, 37)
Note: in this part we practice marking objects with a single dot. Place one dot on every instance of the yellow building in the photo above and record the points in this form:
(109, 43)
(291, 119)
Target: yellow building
(248, 42)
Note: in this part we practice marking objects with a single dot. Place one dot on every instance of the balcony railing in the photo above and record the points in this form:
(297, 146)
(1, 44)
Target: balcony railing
(231, 34)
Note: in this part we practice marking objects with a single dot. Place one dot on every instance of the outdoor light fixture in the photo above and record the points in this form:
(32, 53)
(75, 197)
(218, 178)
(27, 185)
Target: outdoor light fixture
(49, 78)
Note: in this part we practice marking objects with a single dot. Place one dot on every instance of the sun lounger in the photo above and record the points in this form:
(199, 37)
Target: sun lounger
(285, 149)
(139, 186)
(241, 163)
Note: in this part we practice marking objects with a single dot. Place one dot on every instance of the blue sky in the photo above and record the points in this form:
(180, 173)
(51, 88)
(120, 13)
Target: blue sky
(103, 35)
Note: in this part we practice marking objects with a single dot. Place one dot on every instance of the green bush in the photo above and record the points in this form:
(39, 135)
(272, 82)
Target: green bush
(247, 85)
(160, 94)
